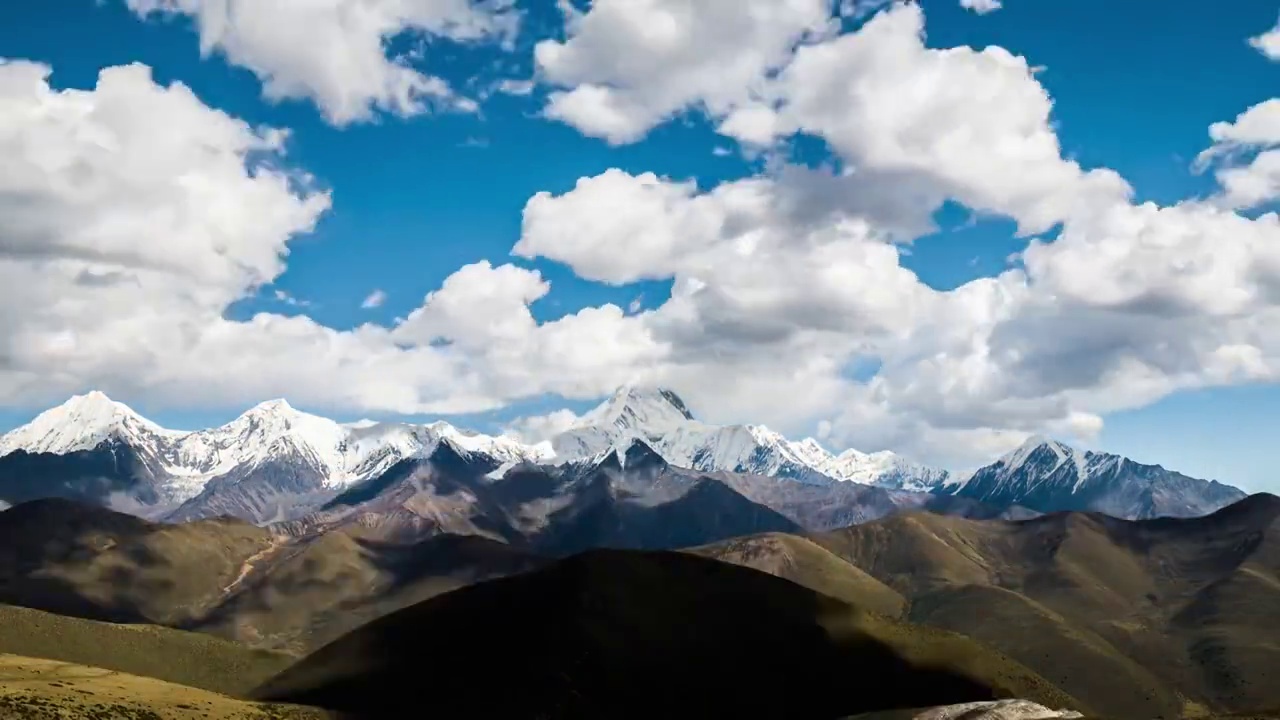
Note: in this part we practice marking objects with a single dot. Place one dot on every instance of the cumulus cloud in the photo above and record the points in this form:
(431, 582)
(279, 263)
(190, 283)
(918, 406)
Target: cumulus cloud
(334, 53)
(627, 66)
(1247, 182)
(1129, 304)
(1268, 43)
(136, 215)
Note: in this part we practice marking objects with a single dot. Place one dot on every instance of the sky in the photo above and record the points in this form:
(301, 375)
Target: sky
(937, 228)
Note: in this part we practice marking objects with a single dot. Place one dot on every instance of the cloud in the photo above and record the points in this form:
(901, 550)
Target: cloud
(625, 67)
(136, 216)
(288, 299)
(1268, 43)
(375, 300)
(784, 281)
(982, 7)
(519, 88)
(1247, 182)
(538, 428)
(334, 53)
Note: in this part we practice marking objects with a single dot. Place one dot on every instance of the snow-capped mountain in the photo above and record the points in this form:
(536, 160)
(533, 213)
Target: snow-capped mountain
(661, 419)
(1048, 476)
(83, 423)
(275, 463)
(270, 463)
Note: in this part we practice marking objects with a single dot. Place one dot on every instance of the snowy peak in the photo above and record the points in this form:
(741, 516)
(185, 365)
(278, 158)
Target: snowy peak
(638, 410)
(1047, 476)
(1046, 456)
(81, 423)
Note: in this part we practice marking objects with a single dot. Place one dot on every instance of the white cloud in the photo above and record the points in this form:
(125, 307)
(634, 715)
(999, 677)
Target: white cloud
(290, 300)
(515, 87)
(334, 52)
(374, 300)
(136, 215)
(538, 428)
(629, 65)
(1246, 182)
(982, 7)
(783, 281)
(975, 125)
(1268, 43)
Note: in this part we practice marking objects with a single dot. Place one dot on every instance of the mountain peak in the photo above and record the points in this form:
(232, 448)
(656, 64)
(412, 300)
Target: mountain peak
(1037, 445)
(641, 409)
(91, 399)
(272, 407)
(80, 423)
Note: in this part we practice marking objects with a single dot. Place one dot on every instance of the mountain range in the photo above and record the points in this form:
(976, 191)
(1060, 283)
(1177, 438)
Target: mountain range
(639, 463)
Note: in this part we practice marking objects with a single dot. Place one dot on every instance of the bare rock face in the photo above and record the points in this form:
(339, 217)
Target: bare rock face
(1011, 709)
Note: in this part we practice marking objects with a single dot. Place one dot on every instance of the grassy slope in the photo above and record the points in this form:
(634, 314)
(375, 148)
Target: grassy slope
(1191, 602)
(1078, 661)
(634, 634)
(804, 562)
(36, 689)
(192, 659)
(91, 562)
(311, 593)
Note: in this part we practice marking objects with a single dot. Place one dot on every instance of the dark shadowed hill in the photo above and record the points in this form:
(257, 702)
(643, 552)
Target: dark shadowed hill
(624, 634)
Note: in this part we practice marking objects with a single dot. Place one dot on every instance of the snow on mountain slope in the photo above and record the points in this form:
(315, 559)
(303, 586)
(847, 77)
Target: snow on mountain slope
(278, 452)
(82, 423)
(886, 469)
(272, 438)
(1047, 476)
(660, 418)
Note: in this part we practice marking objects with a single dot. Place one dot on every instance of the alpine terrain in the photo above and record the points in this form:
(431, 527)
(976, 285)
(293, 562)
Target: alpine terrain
(277, 465)
(1048, 476)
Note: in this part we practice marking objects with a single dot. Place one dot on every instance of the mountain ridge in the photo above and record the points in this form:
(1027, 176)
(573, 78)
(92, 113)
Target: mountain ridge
(1046, 475)
(274, 463)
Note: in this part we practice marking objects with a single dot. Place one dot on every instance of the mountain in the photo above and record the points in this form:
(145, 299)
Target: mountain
(663, 421)
(224, 576)
(277, 465)
(272, 463)
(1048, 476)
(1154, 618)
(91, 562)
(93, 449)
(625, 499)
(625, 634)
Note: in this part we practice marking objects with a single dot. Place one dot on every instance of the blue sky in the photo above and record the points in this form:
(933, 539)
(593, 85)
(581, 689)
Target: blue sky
(1135, 86)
